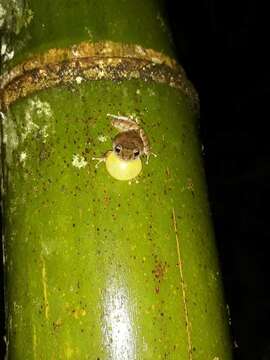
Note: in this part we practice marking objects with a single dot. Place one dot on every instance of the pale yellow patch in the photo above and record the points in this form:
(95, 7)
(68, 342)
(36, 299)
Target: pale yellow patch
(77, 313)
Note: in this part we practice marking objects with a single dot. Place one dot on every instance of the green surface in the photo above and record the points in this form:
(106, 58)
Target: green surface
(92, 264)
(92, 260)
(132, 22)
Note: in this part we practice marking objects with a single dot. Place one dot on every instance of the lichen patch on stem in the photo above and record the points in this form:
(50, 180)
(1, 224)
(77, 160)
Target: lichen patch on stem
(78, 161)
(41, 110)
(10, 136)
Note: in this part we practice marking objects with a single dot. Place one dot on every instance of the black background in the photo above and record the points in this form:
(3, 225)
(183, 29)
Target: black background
(223, 47)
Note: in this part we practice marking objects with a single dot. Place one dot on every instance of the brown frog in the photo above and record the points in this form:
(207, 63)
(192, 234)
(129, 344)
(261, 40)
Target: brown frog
(131, 143)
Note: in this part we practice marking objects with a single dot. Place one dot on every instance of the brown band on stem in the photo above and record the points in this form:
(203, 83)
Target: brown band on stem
(93, 61)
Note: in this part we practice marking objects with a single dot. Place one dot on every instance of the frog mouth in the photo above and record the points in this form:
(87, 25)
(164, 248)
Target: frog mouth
(126, 157)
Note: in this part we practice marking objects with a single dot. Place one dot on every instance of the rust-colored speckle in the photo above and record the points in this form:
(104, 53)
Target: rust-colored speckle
(78, 312)
(190, 185)
(160, 270)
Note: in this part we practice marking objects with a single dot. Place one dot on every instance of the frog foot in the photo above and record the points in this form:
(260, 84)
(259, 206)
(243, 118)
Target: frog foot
(148, 156)
(99, 161)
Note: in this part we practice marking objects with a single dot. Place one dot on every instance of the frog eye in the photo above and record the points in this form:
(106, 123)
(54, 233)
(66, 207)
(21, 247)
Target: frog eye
(136, 153)
(118, 148)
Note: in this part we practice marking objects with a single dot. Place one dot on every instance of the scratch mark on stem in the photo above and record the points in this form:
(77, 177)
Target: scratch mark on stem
(45, 292)
(34, 342)
(180, 266)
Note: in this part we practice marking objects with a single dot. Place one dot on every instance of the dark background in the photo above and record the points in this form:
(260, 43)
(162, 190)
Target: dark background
(223, 48)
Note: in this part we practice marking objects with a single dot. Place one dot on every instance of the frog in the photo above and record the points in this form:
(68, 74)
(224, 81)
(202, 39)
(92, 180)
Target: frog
(123, 161)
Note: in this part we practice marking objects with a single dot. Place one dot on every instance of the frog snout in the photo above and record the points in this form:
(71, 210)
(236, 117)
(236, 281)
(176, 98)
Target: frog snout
(127, 157)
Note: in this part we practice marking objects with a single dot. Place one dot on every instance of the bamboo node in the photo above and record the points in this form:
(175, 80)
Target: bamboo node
(105, 60)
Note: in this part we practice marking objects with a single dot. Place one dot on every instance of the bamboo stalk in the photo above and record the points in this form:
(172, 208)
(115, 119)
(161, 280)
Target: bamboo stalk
(98, 268)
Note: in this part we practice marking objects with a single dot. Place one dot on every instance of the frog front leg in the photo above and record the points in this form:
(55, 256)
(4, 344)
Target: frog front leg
(102, 158)
(146, 145)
